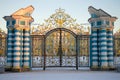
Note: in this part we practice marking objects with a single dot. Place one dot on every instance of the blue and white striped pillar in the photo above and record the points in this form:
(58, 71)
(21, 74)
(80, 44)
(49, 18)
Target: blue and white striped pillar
(9, 48)
(103, 48)
(110, 48)
(17, 50)
(105, 23)
(18, 45)
(26, 49)
(94, 48)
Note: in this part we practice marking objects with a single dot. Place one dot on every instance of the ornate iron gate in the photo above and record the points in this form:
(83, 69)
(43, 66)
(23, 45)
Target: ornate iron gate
(60, 49)
(60, 42)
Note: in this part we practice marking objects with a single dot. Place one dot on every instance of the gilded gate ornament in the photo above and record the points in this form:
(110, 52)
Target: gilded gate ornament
(57, 20)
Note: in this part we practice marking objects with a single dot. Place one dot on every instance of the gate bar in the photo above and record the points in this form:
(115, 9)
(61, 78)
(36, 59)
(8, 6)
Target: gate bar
(44, 66)
(76, 52)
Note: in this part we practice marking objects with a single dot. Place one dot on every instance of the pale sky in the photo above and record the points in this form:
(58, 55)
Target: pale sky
(78, 9)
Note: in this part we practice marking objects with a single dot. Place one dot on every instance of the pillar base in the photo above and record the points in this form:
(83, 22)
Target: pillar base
(13, 69)
(17, 69)
(25, 69)
(8, 69)
(103, 68)
(94, 68)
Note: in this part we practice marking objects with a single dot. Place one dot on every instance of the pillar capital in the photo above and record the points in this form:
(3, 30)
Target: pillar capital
(99, 18)
(20, 19)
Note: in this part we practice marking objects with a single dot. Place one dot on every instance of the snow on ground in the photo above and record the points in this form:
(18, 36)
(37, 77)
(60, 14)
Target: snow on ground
(58, 74)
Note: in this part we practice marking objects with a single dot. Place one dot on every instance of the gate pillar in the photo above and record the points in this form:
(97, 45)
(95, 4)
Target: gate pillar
(18, 39)
(102, 25)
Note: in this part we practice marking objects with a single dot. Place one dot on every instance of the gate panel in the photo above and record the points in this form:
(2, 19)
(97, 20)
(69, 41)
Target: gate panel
(116, 50)
(69, 61)
(68, 49)
(52, 61)
(37, 51)
(52, 44)
(84, 51)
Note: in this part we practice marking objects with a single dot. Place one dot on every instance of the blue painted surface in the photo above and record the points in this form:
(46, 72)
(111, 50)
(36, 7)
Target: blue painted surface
(94, 15)
(13, 22)
(8, 23)
(99, 23)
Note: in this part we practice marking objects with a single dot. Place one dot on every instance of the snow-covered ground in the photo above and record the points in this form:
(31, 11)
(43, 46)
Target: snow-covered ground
(61, 74)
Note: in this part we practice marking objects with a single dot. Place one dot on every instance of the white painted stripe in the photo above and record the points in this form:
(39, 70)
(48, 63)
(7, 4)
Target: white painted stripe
(95, 58)
(9, 54)
(103, 38)
(104, 58)
(110, 48)
(10, 34)
(9, 43)
(26, 39)
(94, 34)
(16, 58)
(17, 38)
(94, 43)
(10, 49)
(103, 43)
(103, 33)
(104, 48)
(94, 48)
(110, 58)
(26, 58)
(110, 39)
(9, 58)
(26, 63)
(26, 53)
(95, 63)
(94, 39)
(94, 53)
(16, 48)
(16, 64)
(17, 43)
(26, 44)
(110, 53)
(17, 33)
(103, 53)
(104, 63)
(110, 34)
(27, 34)
(10, 39)
(110, 44)
(26, 49)
(18, 53)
